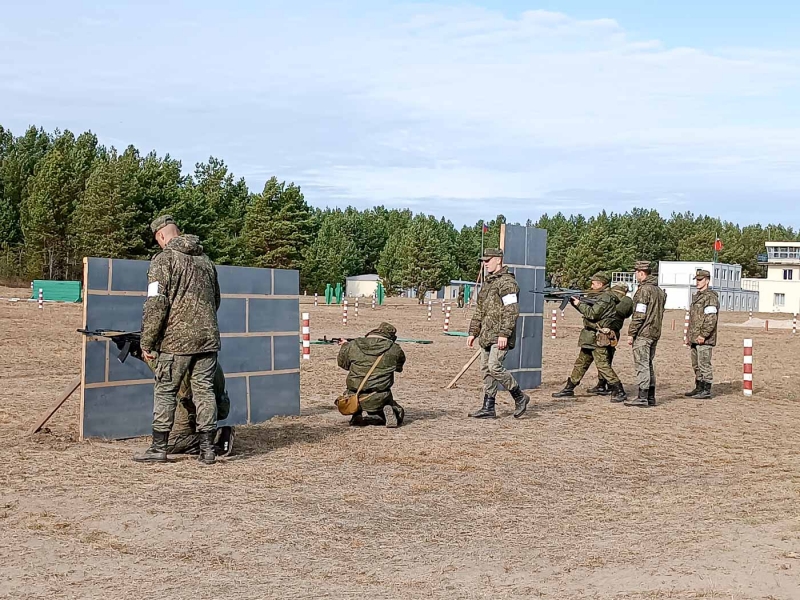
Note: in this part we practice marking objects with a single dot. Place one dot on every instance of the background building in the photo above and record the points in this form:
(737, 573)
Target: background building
(780, 290)
(676, 278)
(361, 285)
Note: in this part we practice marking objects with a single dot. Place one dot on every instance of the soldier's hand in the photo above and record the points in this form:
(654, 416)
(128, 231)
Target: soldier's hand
(147, 355)
(630, 340)
(701, 339)
(575, 301)
(342, 342)
(470, 341)
(502, 343)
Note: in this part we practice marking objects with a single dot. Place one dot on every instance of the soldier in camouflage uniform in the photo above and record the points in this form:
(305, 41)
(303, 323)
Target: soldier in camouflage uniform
(461, 296)
(624, 310)
(180, 333)
(703, 315)
(645, 331)
(376, 399)
(494, 325)
(600, 315)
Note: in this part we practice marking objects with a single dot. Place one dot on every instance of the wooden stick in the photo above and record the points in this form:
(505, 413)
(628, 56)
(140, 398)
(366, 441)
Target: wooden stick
(463, 370)
(45, 417)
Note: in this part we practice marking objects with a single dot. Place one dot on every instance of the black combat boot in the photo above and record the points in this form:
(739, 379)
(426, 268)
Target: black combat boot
(521, 400)
(705, 393)
(157, 452)
(601, 389)
(640, 400)
(207, 454)
(618, 392)
(698, 387)
(223, 440)
(487, 412)
(651, 395)
(567, 392)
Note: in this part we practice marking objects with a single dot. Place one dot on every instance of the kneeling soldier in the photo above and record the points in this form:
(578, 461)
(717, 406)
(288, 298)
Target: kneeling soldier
(703, 316)
(597, 316)
(375, 396)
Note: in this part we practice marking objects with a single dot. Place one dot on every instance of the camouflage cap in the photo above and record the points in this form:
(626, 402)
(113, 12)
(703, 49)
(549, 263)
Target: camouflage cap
(622, 287)
(160, 222)
(702, 274)
(492, 253)
(386, 330)
(642, 265)
(601, 277)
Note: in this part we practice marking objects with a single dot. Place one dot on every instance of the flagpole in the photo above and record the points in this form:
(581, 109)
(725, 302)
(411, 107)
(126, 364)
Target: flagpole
(483, 228)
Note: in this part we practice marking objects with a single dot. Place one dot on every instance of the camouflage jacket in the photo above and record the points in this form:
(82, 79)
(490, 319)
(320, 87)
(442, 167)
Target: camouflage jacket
(624, 310)
(180, 313)
(703, 315)
(598, 315)
(497, 310)
(358, 357)
(648, 310)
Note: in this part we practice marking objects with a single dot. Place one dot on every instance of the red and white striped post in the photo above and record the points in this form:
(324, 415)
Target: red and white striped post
(447, 319)
(306, 336)
(356, 307)
(442, 304)
(554, 324)
(747, 372)
(766, 325)
(562, 315)
(430, 309)
(344, 312)
(41, 299)
(373, 301)
(751, 313)
(686, 329)
(794, 324)
(316, 299)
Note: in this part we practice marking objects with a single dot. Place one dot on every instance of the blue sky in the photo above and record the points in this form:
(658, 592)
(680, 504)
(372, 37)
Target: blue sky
(457, 109)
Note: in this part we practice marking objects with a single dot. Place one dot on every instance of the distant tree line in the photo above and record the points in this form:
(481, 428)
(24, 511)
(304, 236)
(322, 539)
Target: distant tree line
(63, 197)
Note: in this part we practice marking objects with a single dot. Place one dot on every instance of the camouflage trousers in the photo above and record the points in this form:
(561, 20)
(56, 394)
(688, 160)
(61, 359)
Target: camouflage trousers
(601, 357)
(701, 362)
(644, 354)
(170, 370)
(493, 371)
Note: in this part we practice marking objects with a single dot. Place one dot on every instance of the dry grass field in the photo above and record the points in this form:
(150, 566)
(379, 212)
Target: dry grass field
(581, 499)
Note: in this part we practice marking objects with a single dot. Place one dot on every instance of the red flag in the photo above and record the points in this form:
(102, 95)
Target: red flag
(485, 228)
(717, 245)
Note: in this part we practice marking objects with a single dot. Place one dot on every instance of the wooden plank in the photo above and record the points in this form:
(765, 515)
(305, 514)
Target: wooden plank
(45, 416)
(463, 370)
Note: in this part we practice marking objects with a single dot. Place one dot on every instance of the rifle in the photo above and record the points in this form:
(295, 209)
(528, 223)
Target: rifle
(326, 340)
(564, 295)
(127, 342)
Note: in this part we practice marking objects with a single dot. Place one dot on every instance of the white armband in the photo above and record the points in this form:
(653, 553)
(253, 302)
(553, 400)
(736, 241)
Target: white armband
(641, 308)
(152, 289)
(710, 310)
(509, 299)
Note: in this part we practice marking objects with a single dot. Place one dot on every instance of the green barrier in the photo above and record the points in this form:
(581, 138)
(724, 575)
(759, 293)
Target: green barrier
(57, 291)
(457, 333)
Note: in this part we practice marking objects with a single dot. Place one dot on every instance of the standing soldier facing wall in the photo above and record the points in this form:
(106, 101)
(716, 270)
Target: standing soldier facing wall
(703, 320)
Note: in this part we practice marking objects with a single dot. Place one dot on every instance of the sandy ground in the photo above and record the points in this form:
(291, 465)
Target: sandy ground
(580, 499)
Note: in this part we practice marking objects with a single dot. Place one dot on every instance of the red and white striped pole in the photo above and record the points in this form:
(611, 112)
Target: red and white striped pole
(442, 304)
(316, 299)
(373, 301)
(751, 313)
(41, 298)
(306, 336)
(344, 312)
(562, 315)
(747, 373)
(766, 325)
(447, 319)
(356, 307)
(686, 329)
(554, 324)
(430, 309)
(794, 324)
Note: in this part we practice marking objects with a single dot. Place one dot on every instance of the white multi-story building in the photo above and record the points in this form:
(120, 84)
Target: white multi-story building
(780, 291)
(676, 278)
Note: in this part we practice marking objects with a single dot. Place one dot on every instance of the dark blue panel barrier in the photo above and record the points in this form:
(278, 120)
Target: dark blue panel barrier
(268, 315)
(244, 280)
(537, 247)
(528, 380)
(526, 279)
(132, 369)
(531, 343)
(237, 392)
(246, 354)
(272, 395)
(119, 313)
(118, 412)
(287, 352)
(232, 315)
(287, 283)
(98, 274)
(129, 275)
(95, 366)
(514, 246)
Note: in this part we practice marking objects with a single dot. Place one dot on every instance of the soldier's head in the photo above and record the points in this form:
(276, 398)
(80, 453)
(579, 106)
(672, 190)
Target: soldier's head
(701, 279)
(492, 259)
(164, 228)
(599, 281)
(642, 270)
(385, 330)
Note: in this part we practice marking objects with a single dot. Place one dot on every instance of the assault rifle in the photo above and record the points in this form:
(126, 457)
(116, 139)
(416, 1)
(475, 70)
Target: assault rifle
(564, 295)
(326, 340)
(127, 342)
